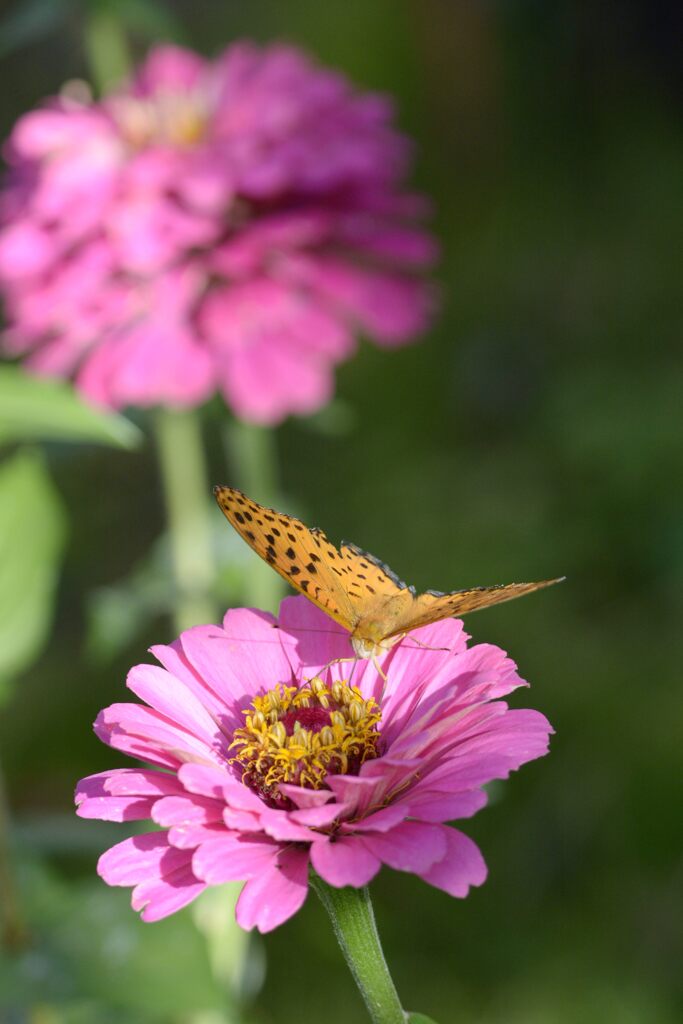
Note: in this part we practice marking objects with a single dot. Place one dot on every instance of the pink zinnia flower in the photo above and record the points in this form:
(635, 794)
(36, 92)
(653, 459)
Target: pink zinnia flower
(225, 225)
(268, 760)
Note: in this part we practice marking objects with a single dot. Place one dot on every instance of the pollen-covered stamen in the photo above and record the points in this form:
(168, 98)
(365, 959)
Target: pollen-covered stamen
(300, 735)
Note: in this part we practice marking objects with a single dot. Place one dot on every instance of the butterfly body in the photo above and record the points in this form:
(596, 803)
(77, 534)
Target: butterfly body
(373, 634)
(353, 587)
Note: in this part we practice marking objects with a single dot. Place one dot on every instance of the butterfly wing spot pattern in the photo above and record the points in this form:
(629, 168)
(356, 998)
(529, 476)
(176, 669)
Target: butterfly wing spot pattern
(304, 557)
(353, 587)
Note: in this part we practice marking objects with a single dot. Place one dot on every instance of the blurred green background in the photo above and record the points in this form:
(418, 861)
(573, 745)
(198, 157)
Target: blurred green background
(537, 430)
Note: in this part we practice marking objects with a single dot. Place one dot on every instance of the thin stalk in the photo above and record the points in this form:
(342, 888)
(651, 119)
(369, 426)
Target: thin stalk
(354, 925)
(252, 456)
(106, 47)
(186, 489)
(13, 932)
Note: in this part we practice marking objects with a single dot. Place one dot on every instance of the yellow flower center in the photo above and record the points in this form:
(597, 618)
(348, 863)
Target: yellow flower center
(177, 119)
(300, 735)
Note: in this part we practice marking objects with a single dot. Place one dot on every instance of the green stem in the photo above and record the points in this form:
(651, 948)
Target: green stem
(186, 488)
(14, 934)
(106, 46)
(354, 925)
(252, 456)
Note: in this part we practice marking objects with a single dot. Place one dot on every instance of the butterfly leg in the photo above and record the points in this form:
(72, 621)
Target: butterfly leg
(379, 669)
(426, 647)
(338, 661)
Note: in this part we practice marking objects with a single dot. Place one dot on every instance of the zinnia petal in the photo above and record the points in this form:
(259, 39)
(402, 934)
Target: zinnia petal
(344, 862)
(275, 895)
(159, 897)
(411, 846)
(138, 858)
(461, 866)
(234, 857)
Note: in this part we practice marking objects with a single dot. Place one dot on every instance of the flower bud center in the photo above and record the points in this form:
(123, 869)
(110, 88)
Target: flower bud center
(175, 119)
(305, 718)
(300, 735)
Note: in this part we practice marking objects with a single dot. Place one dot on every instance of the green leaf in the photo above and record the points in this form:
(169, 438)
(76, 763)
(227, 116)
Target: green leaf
(151, 20)
(32, 532)
(43, 408)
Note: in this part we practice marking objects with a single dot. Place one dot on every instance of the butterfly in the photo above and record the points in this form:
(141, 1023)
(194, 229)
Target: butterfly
(350, 585)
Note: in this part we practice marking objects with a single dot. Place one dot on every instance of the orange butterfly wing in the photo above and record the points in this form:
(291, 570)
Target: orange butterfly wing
(386, 606)
(433, 606)
(304, 557)
(378, 596)
(353, 587)
(369, 581)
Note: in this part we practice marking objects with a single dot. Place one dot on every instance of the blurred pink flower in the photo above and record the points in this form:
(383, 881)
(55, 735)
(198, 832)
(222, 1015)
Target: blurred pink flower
(267, 762)
(223, 225)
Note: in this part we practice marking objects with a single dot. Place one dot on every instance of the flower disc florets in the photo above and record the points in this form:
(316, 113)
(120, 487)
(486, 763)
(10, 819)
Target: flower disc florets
(300, 735)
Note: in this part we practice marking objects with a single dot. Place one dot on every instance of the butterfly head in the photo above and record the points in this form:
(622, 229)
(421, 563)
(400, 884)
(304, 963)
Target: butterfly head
(372, 647)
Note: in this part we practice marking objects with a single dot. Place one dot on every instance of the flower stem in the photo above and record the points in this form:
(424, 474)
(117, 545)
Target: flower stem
(186, 488)
(252, 454)
(13, 932)
(354, 925)
(106, 46)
